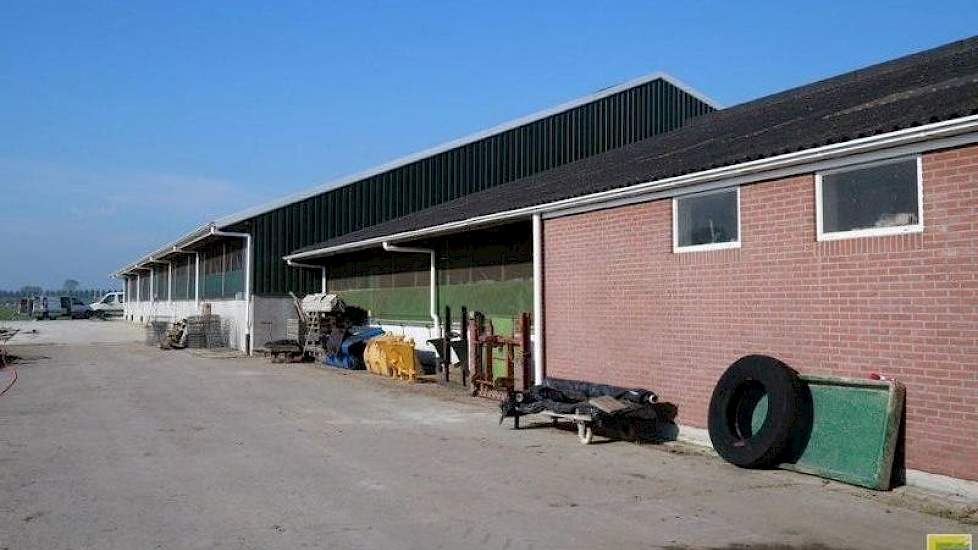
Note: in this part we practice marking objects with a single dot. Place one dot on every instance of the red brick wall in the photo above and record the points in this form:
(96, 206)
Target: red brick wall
(622, 308)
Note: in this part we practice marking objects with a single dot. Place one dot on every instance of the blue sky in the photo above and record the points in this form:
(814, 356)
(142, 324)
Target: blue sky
(124, 124)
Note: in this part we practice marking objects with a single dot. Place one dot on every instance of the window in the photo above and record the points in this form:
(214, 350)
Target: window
(873, 200)
(706, 221)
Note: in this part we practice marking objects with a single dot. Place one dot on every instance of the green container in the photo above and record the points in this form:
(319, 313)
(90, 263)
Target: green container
(855, 425)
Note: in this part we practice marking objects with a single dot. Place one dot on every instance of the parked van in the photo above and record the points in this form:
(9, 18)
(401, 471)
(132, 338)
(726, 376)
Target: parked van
(112, 303)
(52, 307)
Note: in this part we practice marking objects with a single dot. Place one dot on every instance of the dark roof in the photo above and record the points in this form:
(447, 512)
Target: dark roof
(931, 86)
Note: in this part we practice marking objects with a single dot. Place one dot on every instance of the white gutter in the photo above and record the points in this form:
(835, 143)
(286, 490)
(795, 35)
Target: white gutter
(322, 269)
(939, 135)
(247, 282)
(538, 371)
(186, 240)
(432, 282)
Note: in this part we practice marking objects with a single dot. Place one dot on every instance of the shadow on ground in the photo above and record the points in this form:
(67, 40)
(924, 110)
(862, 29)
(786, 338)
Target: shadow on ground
(761, 546)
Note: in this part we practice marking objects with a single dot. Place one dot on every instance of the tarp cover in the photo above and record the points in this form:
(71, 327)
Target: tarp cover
(572, 396)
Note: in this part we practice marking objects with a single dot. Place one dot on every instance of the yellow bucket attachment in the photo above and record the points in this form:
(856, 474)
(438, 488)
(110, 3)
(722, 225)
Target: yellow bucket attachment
(391, 355)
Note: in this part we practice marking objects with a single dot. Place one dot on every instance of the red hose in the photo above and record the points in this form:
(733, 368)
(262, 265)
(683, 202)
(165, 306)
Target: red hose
(13, 378)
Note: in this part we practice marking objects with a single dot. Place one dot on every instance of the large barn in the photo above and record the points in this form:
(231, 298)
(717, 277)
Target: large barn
(657, 239)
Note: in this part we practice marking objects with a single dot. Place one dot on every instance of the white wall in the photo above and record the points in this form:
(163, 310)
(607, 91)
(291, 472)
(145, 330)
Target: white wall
(234, 314)
(270, 316)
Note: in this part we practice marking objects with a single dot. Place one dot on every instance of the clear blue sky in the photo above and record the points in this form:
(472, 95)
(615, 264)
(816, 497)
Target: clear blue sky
(124, 124)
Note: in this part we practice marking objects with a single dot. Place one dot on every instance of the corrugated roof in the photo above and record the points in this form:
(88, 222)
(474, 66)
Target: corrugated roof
(931, 86)
(569, 106)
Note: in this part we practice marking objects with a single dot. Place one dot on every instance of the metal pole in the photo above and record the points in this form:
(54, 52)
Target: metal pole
(445, 343)
(538, 370)
(197, 279)
(465, 345)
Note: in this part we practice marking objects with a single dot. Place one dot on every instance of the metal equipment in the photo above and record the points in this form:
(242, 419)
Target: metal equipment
(587, 405)
(483, 343)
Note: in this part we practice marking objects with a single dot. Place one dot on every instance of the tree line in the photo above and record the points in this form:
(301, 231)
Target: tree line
(70, 287)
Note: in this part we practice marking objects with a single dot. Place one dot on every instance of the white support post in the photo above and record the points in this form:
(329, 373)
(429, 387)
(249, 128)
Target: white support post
(538, 370)
(197, 279)
(432, 281)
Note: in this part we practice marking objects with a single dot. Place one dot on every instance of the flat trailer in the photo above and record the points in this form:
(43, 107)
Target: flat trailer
(586, 405)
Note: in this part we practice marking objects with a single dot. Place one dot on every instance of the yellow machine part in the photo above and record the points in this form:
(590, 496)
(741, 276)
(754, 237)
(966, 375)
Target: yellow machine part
(391, 355)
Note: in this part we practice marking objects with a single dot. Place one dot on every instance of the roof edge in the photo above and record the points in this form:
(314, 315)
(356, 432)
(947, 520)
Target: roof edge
(735, 174)
(246, 214)
(184, 240)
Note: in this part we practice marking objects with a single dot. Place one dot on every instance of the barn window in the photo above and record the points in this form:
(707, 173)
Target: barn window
(871, 200)
(706, 221)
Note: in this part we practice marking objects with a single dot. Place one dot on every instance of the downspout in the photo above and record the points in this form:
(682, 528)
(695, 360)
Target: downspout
(538, 371)
(321, 268)
(247, 281)
(432, 283)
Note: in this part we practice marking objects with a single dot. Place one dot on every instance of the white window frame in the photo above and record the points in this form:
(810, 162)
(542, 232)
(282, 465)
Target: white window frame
(870, 231)
(676, 249)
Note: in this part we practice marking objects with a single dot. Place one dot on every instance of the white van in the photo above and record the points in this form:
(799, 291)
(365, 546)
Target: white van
(113, 303)
(52, 307)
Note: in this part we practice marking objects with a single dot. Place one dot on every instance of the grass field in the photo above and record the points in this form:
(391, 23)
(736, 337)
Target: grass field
(10, 314)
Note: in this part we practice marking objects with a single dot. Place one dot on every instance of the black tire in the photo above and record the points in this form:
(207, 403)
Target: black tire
(733, 401)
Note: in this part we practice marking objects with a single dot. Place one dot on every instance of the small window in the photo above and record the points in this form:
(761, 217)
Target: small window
(706, 221)
(880, 199)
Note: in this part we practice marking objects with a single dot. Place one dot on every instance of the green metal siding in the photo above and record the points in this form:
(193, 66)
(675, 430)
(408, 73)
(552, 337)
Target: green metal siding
(608, 123)
(489, 270)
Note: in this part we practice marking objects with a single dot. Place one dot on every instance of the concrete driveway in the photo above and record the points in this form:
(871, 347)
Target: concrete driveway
(122, 446)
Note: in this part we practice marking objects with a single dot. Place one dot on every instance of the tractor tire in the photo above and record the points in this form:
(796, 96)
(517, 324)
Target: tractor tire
(736, 394)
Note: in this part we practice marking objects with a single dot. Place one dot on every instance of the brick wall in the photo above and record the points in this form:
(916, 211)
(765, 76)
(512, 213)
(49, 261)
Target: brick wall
(622, 308)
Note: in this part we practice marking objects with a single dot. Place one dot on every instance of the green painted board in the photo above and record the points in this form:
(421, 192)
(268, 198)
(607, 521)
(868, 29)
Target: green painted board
(854, 429)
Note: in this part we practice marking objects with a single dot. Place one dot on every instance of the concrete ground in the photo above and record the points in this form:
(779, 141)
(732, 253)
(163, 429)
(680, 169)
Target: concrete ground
(116, 445)
(74, 331)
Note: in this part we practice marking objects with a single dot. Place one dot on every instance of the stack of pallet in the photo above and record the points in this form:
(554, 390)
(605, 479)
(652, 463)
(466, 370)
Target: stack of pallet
(155, 331)
(205, 331)
(295, 329)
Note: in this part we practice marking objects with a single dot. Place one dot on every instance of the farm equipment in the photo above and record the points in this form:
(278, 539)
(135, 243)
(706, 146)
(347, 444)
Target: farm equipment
(485, 347)
(393, 356)
(327, 330)
(617, 410)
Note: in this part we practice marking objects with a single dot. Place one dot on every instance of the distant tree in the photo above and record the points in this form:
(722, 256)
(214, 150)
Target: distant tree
(31, 290)
(71, 286)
